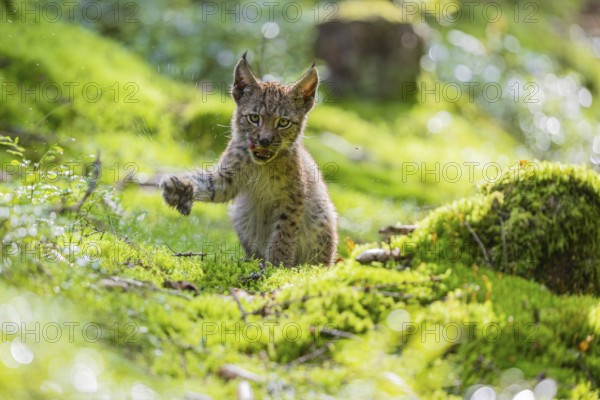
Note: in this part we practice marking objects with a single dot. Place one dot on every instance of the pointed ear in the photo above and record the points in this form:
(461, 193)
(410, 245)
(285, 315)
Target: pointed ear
(243, 79)
(305, 89)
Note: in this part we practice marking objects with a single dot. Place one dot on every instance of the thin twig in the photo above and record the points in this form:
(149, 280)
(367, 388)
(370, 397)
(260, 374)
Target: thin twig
(185, 254)
(311, 356)
(585, 369)
(396, 295)
(128, 283)
(332, 332)
(94, 232)
(504, 246)
(480, 243)
(188, 254)
(432, 278)
(239, 304)
(92, 183)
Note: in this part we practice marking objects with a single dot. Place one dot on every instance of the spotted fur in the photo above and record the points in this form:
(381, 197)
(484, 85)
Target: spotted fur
(281, 209)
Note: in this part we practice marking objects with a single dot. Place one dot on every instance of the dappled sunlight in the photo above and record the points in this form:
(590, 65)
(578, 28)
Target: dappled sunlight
(458, 142)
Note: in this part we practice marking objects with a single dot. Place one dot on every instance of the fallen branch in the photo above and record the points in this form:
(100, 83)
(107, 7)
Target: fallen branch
(230, 371)
(397, 230)
(381, 255)
(181, 285)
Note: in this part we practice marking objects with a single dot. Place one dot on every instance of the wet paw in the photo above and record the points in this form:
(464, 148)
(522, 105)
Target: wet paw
(178, 193)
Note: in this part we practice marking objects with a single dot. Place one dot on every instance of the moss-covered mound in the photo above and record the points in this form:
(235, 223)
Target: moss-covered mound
(539, 220)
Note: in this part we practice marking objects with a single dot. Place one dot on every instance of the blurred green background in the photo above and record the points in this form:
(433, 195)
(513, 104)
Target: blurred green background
(420, 102)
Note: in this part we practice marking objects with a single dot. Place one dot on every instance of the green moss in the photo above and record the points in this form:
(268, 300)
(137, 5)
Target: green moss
(536, 221)
(207, 124)
(174, 342)
(105, 88)
(533, 330)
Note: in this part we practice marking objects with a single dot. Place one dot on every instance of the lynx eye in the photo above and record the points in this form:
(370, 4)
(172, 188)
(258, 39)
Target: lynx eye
(283, 123)
(254, 118)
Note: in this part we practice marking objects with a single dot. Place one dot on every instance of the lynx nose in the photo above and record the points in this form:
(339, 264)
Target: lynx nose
(265, 141)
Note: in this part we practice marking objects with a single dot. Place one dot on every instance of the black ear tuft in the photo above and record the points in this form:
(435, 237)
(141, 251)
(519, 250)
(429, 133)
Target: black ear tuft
(243, 79)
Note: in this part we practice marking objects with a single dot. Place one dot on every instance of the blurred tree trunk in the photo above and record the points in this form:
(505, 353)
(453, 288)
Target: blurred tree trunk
(373, 59)
(590, 17)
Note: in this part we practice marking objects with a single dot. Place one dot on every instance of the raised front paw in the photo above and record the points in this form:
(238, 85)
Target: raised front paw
(178, 193)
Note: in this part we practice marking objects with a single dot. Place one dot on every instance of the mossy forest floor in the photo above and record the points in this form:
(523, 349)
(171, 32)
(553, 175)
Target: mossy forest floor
(109, 299)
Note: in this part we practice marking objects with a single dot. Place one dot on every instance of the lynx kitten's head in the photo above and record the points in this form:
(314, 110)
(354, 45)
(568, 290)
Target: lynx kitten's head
(270, 116)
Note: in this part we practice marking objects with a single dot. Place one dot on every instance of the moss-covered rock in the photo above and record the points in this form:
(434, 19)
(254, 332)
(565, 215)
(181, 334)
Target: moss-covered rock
(207, 124)
(539, 220)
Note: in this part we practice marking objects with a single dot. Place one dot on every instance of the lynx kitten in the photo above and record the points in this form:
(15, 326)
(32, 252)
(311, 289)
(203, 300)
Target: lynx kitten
(281, 209)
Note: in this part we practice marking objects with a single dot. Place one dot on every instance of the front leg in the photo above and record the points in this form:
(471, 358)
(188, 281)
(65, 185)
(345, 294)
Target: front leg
(216, 184)
(282, 246)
